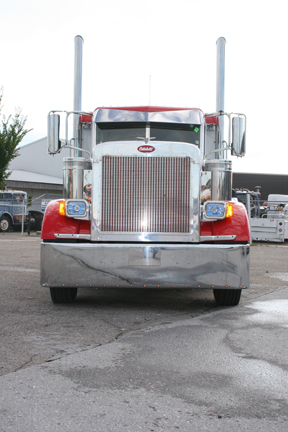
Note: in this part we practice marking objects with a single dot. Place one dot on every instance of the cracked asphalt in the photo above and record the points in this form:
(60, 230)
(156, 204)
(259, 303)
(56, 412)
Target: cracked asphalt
(34, 330)
(142, 360)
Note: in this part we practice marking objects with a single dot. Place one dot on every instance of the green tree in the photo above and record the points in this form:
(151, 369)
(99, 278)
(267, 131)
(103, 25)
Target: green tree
(12, 132)
(29, 200)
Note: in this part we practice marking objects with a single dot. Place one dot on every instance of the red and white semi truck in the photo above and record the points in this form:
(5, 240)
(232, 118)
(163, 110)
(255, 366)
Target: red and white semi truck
(147, 199)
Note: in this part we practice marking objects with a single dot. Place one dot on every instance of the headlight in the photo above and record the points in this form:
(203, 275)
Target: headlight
(76, 208)
(214, 210)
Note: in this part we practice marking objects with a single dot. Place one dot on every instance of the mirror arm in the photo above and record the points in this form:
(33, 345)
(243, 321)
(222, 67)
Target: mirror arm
(66, 128)
(228, 147)
(235, 153)
(77, 148)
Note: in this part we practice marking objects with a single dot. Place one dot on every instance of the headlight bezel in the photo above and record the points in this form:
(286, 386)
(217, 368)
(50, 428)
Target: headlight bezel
(218, 214)
(72, 211)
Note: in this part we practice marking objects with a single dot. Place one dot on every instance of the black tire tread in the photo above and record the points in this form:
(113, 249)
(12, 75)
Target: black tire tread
(227, 297)
(63, 295)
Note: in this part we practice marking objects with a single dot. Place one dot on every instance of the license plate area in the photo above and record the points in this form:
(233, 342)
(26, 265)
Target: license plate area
(145, 256)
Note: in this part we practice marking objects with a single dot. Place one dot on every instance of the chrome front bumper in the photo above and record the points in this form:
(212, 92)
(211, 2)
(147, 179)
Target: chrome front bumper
(138, 266)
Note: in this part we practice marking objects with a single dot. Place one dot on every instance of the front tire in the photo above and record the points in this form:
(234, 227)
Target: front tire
(5, 224)
(63, 295)
(227, 297)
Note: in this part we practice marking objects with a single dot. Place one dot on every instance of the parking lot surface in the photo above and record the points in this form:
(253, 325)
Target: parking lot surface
(142, 360)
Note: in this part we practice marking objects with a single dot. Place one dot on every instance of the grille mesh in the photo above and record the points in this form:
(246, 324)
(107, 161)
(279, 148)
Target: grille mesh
(145, 194)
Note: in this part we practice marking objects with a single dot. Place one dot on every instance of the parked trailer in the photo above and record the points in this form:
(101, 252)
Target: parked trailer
(147, 199)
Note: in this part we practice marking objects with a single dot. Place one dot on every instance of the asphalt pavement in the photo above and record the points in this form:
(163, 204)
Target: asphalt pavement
(225, 370)
(142, 361)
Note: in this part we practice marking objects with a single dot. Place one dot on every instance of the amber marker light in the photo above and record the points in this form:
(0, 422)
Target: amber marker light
(62, 208)
(229, 209)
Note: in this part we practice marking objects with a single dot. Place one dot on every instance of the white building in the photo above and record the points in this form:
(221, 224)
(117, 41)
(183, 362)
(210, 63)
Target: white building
(37, 173)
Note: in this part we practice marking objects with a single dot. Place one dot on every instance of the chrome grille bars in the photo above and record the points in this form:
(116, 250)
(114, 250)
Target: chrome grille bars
(142, 194)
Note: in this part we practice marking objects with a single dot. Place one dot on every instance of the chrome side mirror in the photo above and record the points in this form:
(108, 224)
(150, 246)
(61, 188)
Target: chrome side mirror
(53, 133)
(238, 146)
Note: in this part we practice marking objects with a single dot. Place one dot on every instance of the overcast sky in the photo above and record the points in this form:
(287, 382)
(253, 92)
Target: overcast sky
(173, 41)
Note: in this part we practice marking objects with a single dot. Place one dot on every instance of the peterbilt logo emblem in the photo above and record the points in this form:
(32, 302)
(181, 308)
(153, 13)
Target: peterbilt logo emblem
(146, 149)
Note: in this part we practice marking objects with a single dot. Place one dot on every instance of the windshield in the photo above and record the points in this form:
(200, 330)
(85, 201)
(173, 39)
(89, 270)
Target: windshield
(5, 196)
(133, 131)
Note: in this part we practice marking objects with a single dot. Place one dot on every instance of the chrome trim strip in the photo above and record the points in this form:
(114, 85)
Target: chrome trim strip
(129, 265)
(220, 237)
(73, 236)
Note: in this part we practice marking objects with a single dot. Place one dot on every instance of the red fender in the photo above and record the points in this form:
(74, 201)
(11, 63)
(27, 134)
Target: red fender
(53, 223)
(238, 225)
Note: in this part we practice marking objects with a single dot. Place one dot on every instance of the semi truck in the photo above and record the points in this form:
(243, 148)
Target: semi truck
(13, 207)
(147, 199)
(14, 204)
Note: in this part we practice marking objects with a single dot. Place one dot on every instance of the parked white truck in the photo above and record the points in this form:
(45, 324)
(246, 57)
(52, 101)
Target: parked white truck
(268, 222)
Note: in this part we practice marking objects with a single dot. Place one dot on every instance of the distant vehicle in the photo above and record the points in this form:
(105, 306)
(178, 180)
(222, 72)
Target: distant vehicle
(37, 209)
(268, 220)
(13, 204)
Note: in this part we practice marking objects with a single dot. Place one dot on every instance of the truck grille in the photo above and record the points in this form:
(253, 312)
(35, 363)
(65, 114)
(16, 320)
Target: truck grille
(145, 194)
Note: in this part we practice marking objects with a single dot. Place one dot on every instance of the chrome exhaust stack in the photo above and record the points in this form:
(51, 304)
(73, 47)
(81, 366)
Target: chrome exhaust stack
(74, 167)
(220, 77)
(220, 169)
(77, 104)
(220, 92)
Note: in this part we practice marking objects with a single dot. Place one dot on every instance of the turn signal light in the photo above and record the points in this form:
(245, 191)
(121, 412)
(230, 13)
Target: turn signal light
(229, 209)
(62, 208)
